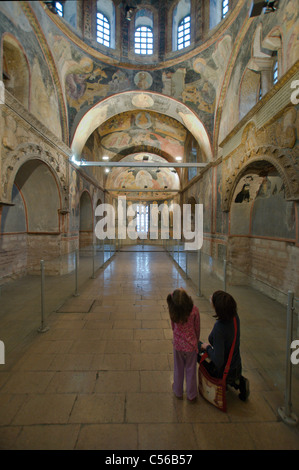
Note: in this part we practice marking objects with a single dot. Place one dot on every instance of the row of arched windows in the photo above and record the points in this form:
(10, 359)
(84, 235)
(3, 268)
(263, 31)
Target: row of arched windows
(144, 24)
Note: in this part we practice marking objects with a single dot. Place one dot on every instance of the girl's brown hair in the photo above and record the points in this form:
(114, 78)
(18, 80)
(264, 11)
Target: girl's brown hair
(180, 305)
(225, 305)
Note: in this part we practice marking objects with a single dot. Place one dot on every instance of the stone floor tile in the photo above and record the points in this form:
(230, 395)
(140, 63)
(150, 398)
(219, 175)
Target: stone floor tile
(117, 381)
(72, 382)
(156, 381)
(150, 408)
(273, 436)
(174, 436)
(47, 437)
(8, 436)
(223, 436)
(98, 408)
(147, 361)
(9, 407)
(27, 382)
(45, 409)
(107, 437)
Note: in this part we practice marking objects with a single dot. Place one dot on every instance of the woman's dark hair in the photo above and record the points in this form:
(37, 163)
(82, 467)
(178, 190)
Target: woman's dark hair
(225, 305)
(180, 305)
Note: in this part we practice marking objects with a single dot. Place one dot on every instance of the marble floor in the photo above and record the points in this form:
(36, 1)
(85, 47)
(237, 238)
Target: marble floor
(101, 376)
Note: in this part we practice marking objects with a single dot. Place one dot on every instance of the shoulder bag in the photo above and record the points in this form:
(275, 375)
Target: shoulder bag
(211, 388)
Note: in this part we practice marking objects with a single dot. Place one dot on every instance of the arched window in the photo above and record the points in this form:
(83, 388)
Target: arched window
(142, 217)
(184, 32)
(275, 72)
(105, 23)
(144, 40)
(181, 25)
(15, 70)
(260, 90)
(59, 8)
(144, 36)
(103, 29)
(225, 8)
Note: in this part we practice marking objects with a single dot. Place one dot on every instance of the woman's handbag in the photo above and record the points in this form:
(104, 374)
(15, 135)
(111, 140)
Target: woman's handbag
(211, 388)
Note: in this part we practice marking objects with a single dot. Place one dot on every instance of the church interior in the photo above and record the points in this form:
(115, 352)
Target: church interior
(132, 109)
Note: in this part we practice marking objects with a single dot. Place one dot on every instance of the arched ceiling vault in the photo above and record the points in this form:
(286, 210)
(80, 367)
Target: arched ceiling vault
(146, 102)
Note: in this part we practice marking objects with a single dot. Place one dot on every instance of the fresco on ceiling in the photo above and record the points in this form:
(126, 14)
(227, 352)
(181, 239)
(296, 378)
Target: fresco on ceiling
(87, 81)
(143, 129)
(159, 179)
(259, 208)
(143, 80)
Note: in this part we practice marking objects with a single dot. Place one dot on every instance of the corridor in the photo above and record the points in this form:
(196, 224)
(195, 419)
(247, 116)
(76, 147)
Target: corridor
(101, 376)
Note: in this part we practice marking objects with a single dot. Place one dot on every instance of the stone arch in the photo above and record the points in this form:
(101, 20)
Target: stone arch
(260, 160)
(31, 222)
(127, 101)
(37, 184)
(23, 153)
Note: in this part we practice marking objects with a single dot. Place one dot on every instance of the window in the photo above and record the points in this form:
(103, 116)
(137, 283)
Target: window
(181, 25)
(59, 8)
(184, 30)
(225, 8)
(103, 30)
(142, 218)
(275, 72)
(144, 40)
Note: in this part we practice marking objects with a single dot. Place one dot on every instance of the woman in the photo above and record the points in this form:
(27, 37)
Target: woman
(220, 342)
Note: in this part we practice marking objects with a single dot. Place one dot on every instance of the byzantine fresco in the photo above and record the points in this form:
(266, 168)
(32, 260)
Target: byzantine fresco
(142, 129)
(138, 179)
(259, 208)
(276, 31)
(43, 96)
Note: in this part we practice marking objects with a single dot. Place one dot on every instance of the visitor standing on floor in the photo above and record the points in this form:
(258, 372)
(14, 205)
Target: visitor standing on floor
(185, 322)
(220, 342)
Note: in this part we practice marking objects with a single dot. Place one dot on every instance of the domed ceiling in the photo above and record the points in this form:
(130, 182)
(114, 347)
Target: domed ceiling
(158, 133)
(146, 137)
(146, 182)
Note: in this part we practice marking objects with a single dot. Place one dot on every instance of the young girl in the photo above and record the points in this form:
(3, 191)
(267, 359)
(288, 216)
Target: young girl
(185, 324)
